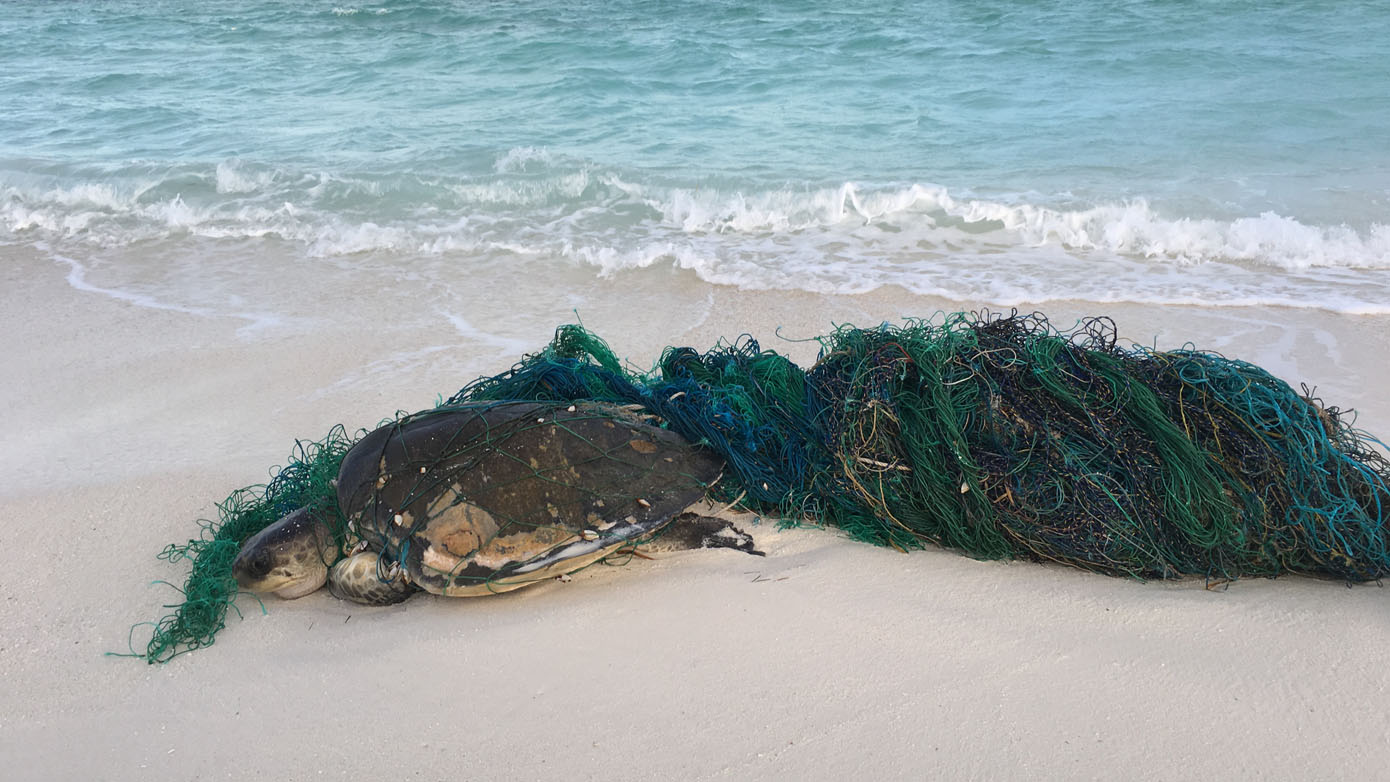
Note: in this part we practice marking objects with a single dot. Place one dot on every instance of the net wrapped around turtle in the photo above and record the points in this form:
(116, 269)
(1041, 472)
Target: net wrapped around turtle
(997, 435)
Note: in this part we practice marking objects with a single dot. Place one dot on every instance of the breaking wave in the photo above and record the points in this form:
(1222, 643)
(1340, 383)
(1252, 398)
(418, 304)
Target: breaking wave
(845, 238)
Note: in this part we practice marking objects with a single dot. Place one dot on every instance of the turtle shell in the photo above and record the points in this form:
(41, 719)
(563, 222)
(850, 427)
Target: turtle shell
(488, 497)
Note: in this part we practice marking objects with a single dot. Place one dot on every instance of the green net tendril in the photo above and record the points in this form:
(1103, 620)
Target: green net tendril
(210, 590)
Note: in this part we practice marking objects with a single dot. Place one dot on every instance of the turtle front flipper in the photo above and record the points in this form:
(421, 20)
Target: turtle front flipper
(692, 531)
(359, 578)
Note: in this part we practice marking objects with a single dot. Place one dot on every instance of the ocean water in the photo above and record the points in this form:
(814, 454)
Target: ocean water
(1164, 151)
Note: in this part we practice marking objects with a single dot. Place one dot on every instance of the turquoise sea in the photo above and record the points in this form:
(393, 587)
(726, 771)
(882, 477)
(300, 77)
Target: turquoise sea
(1164, 151)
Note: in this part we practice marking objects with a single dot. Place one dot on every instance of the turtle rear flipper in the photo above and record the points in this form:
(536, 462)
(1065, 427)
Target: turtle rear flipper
(692, 531)
(358, 578)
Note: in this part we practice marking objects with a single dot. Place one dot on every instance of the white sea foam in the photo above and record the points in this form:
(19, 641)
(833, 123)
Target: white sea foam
(77, 277)
(518, 159)
(1128, 229)
(1135, 229)
(844, 239)
(350, 11)
(233, 177)
(525, 192)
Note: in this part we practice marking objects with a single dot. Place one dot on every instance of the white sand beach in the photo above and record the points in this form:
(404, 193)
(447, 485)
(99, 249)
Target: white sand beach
(127, 418)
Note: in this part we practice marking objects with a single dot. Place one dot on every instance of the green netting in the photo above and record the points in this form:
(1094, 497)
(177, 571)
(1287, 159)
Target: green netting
(997, 435)
(1005, 437)
(306, 480)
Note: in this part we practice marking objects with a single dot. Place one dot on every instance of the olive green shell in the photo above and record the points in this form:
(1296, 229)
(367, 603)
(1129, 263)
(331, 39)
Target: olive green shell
(489, 497)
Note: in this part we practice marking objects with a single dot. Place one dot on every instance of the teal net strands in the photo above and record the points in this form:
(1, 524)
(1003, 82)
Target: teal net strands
(1310, 484)
(994, 434)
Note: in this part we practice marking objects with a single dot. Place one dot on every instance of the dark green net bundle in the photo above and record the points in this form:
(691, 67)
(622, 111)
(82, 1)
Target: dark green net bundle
(1000, 436)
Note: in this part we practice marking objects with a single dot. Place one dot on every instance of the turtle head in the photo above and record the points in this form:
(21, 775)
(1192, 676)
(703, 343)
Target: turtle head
(289, 558)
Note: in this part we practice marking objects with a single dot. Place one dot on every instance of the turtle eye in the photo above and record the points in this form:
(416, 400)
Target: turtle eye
(260, 562)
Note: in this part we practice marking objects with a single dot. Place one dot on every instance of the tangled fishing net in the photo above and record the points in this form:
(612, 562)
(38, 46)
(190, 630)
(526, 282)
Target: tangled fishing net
(997, 435)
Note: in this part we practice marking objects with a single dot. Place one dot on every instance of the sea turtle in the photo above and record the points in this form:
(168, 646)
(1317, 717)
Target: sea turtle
(488, 497)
